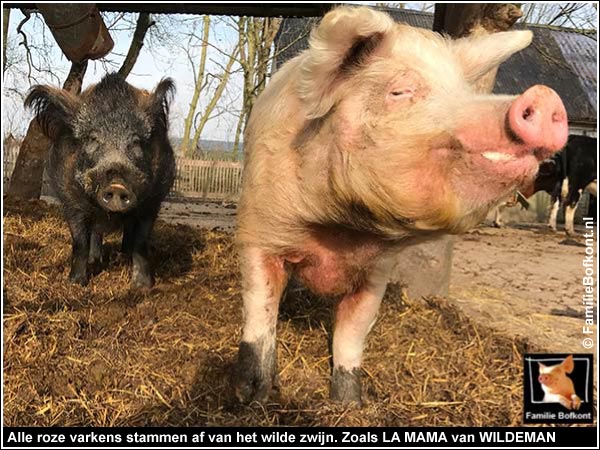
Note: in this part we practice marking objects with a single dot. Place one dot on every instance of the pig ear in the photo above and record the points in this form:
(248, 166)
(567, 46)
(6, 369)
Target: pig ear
(568, 364)
(160, 102)
(479, 54)
(343, 40)
(54, 109)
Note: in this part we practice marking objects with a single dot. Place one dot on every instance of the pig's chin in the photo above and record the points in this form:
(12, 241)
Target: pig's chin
(496, 174)
(505, 167)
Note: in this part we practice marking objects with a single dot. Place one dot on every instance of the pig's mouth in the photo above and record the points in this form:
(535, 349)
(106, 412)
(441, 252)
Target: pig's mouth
(509, 169)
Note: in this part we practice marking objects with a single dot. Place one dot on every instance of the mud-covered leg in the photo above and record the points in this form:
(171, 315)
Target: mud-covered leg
(128, 232)
(355, 315)
(80, 235)
(141, 273)
(95, 257)
(264, 279)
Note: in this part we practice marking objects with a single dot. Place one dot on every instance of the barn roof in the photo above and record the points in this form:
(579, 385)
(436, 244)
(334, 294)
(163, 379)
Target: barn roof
(560, 58)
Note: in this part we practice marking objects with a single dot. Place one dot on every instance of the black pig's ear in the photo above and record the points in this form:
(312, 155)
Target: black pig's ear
(160, 101)
(54, 109)
(342, 42)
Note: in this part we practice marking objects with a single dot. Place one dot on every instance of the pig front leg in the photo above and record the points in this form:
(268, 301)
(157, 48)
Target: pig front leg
(136, 244)
(80, 238)
(355, 315)
(264, 279)
(128, 232)
(95, 255)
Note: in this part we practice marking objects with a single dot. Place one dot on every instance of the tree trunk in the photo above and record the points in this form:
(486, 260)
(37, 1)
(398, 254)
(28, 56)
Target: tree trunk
(215, 99)
(424, 268)
(26, 180)
(186, 148)
(459, 20)
(137, 42)
(5, 22)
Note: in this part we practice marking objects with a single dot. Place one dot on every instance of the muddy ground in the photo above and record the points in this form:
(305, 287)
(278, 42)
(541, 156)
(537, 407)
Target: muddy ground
(106, 355)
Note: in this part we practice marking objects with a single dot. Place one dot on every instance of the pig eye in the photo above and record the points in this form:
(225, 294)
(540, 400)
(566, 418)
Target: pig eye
(402, 93)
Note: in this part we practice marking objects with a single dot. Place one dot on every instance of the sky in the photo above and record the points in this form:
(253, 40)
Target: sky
(164, 54)
(156, 60)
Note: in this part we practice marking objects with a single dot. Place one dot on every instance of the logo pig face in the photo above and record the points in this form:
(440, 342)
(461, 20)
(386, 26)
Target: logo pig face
(557, 386)
(555, 376)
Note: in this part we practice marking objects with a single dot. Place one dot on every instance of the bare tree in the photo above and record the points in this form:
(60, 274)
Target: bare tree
(458, 20)
(5, 22)
(26, 179)
(137, 41)
(581, 16)
(256, 36)
(199, 84)
(222, 80)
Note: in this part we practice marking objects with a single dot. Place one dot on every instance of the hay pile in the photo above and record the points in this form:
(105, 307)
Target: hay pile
(103, 355)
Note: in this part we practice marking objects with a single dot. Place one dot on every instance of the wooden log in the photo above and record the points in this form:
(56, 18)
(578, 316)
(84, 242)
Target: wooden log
(424, 268)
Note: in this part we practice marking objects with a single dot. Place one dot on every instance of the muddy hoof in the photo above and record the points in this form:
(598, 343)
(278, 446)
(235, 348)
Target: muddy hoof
(140, 280)
(345, 386)
(251, 381)
(79, 278)
(95, 266)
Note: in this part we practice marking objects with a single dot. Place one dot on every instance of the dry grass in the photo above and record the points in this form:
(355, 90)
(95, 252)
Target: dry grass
(104, 355)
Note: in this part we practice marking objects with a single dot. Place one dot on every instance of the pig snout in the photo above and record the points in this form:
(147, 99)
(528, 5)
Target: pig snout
(116, 197)
(539, 120)
(544, 379)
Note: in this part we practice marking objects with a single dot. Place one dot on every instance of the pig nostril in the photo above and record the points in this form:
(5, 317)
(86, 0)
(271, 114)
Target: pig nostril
(125, 198)
(107, 197)
(528, 113)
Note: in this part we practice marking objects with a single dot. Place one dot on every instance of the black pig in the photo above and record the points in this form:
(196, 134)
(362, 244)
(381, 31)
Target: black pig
(111, 165)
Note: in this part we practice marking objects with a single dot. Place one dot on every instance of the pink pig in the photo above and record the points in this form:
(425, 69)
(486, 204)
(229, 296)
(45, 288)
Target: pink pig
(371, 136)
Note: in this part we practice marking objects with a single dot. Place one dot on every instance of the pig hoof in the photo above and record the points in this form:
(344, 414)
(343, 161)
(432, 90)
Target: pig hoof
(251, 382)
(140, 281)
(95, 266)
(79, 278)
(345, 385)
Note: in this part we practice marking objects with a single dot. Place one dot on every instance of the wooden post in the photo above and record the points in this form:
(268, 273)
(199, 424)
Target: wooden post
(26, 180)
(424, 268)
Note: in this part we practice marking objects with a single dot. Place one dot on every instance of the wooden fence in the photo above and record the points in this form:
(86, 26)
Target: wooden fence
(9, 158)
(196, 178)
(208, 180)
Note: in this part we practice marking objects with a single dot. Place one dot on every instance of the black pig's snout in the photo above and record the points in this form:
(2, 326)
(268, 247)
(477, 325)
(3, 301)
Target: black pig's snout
(116, 198)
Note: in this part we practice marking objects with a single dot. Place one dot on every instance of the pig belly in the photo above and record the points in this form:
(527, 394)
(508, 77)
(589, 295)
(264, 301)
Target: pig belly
(335, 263)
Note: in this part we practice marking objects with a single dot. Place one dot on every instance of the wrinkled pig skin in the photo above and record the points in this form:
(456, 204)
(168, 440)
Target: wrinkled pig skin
(372, 136)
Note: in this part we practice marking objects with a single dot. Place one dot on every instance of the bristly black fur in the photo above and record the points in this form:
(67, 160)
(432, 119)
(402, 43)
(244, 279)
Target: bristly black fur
(54, 108)
(162, 98)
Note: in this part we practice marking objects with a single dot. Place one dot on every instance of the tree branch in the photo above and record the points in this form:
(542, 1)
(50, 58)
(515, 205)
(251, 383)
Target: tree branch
(137, 42)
